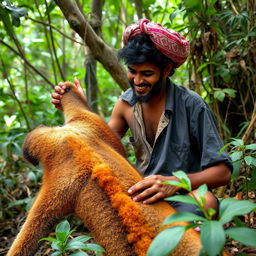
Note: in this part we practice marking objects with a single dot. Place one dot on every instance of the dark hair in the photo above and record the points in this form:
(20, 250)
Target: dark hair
(141, 49)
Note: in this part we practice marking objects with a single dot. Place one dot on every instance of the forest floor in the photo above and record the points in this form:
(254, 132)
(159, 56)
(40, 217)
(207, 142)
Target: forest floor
(8, 231)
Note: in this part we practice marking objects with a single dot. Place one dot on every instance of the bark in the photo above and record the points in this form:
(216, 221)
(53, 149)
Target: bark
(100, 50)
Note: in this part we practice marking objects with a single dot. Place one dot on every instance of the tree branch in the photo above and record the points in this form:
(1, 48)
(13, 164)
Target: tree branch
(101, 51)
(53, 27)
(28, 63)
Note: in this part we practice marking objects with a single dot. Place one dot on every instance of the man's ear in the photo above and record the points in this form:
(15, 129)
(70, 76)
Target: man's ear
(168, 69)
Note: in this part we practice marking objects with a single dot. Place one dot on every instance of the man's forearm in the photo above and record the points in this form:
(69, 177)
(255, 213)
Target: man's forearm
(214, 176)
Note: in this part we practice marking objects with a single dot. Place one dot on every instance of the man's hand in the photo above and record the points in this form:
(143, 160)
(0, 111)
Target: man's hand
(60, 90)
(151, 189)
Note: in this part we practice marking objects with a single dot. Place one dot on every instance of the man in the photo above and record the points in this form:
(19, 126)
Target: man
(172, 127)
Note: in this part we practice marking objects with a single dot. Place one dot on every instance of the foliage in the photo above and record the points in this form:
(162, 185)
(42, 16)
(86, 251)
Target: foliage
(213, 235)
(63, 245)
(244, 162)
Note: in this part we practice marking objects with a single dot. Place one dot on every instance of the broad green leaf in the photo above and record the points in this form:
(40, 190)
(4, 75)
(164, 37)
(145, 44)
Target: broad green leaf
(181, 198)
(237, 142)
(243, 235)
(251, 146)
(182, 176)
(220, 95)
(248, 160)
(231, 92)
(57, 245)
(182, 216)
(82, 238)
(230, 208)
(72, 245)
(79, 254)
(202, 190)
(94, 247)
(62, 236)
(237, 155)
(63, 227)
(212, 237)
(162, 244)
(236, 169)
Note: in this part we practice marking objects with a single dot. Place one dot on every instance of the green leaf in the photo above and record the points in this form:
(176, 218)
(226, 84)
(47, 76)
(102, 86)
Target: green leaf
(62, 236)
(78, 254)
(50, 239)
(231, 92)
(162, 244)
(237, 155)
(62, 230)
(63, 227)
(220, 95)
(57, 245)
(243, 235)
(72, 245)
(212, 237)
(94, 247)
(183, 199)
(56, 253)
(182, 216)
(202, 190)
(229, 208)
(82, 238)
(250, 160)
(236, 169)
(237, 142)
(182, 176)
(251, 146)
(176, 183)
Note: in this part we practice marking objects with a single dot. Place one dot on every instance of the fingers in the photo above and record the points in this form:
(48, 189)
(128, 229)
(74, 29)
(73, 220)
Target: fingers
(141, 185)
(77, 82)
(60, 88)
(151, 189)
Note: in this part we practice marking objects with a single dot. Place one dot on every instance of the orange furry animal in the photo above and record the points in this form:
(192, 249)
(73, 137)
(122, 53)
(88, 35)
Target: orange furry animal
(86, 174)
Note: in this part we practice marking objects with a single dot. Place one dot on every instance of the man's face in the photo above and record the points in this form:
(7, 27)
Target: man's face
(145, 80)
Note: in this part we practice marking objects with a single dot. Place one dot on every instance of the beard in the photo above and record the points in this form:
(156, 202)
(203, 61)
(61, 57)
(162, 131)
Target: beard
(156, 89)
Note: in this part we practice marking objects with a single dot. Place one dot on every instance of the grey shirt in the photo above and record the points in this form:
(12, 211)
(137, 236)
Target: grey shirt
(187, 138)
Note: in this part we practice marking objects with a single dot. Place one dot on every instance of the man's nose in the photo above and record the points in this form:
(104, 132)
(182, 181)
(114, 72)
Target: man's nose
(138, 79)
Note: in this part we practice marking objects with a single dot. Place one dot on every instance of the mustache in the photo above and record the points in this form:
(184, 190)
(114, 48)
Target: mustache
(140, 85)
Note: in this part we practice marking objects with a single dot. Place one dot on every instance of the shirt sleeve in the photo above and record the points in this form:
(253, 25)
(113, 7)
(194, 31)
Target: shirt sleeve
(208, 140)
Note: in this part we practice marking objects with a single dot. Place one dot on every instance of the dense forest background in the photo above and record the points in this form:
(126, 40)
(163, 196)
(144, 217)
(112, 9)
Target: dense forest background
(44, 42)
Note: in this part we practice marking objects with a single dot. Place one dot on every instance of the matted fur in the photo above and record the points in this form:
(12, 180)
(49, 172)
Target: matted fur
(86, 174)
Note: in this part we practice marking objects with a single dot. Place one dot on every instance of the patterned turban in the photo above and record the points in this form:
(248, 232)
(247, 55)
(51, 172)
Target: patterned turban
(167, 41)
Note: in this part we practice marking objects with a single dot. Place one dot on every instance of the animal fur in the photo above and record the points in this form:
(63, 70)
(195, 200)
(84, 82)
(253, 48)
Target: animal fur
(86, 174)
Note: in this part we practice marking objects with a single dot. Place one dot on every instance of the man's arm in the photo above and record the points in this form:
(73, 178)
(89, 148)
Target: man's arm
(118, 121)
(151, 189)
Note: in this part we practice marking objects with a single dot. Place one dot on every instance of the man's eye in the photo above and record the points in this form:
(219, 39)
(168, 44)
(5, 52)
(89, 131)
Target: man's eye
(132, 71)
(148, 74)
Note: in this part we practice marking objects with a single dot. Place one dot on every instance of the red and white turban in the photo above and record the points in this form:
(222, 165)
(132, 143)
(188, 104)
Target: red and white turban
(167, 41)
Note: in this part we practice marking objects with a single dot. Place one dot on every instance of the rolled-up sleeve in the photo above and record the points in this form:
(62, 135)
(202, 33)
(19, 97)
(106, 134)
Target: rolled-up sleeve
(208, 140)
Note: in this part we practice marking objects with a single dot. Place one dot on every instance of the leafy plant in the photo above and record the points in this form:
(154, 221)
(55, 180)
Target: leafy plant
(63, 245)
(213, 235)
(244, 162)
